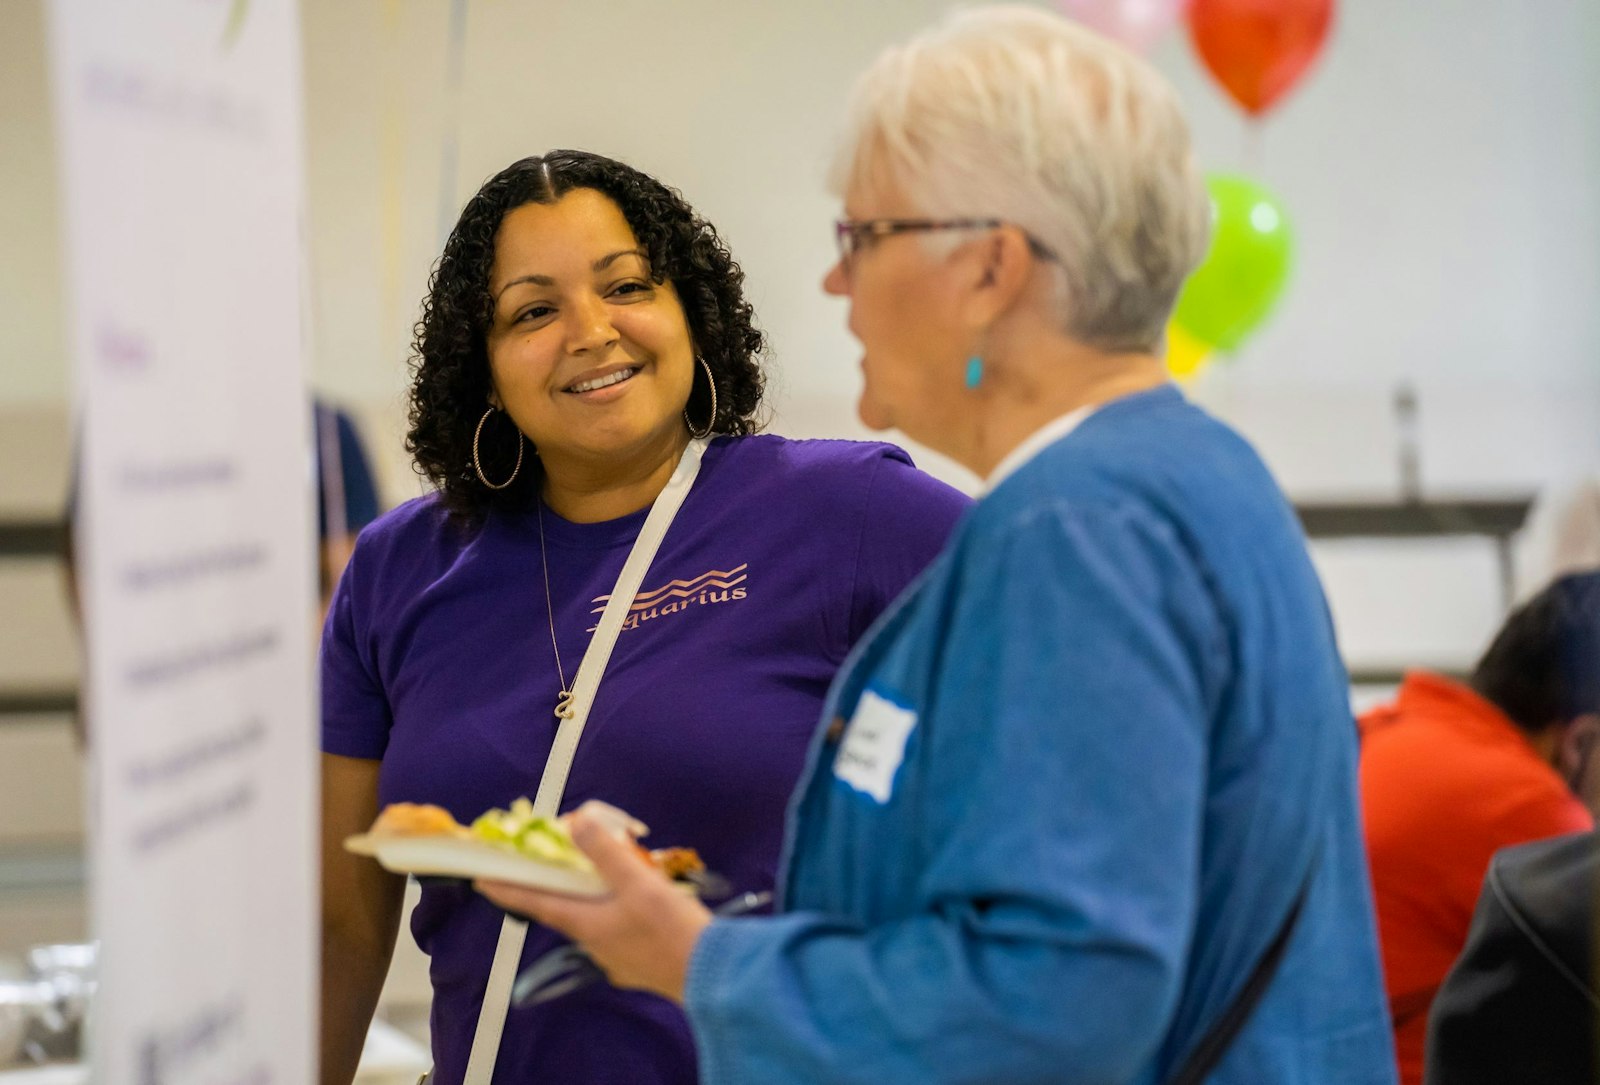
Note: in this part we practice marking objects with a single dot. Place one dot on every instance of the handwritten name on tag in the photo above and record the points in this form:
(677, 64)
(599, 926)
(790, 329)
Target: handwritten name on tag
(874, 745)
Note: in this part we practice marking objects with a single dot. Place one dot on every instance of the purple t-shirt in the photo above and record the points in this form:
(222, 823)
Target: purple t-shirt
(436, 658)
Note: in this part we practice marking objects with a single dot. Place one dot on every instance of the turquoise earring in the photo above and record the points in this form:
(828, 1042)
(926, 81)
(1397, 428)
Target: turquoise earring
(974, 371)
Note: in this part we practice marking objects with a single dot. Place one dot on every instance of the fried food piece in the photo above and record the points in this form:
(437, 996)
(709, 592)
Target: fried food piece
(416, 819)
(677, 863)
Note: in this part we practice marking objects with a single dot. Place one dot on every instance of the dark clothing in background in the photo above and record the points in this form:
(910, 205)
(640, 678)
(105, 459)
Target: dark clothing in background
(1520, 1006)
(341, 465)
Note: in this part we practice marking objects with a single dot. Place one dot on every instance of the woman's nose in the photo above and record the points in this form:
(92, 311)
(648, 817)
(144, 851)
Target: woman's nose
(589, 327)
(837, 280)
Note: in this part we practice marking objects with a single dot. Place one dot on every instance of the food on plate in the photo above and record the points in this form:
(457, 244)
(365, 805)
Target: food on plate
(533, 836)
(678, 863)
(416, 819)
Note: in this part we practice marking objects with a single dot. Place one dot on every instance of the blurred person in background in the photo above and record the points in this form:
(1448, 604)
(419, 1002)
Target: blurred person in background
(1452, 772)
(583, 328)
(1082, 807)
(1521, 1005)
(347, 495)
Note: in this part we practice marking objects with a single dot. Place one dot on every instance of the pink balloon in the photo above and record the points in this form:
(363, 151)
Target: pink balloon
(1138, 24)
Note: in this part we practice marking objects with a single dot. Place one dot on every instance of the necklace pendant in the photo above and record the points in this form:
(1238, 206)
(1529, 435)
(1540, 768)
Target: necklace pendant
(564, 709)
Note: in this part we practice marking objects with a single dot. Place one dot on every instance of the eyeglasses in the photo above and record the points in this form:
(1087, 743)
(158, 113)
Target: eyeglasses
(853, 235)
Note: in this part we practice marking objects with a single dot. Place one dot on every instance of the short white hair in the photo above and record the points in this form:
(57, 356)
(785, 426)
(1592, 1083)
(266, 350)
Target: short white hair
(1017, 114)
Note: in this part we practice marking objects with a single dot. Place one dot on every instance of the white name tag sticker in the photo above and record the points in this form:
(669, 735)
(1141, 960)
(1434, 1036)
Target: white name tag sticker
(874, 745)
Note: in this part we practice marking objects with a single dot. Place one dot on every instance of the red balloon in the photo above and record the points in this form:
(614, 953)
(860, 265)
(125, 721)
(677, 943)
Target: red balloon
(1259, 49)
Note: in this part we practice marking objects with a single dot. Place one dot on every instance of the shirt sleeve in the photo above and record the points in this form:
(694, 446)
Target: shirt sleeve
(355, 711)
(906, 518)
(1062, 758)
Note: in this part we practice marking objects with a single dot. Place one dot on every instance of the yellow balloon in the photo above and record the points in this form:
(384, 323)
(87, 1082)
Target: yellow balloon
(1186, 355)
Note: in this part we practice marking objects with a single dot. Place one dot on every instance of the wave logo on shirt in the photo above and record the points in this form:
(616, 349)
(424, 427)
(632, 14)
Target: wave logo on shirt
(677, 596)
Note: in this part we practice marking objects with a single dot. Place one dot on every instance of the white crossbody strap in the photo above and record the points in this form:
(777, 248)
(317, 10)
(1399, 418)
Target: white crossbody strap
(547, 801)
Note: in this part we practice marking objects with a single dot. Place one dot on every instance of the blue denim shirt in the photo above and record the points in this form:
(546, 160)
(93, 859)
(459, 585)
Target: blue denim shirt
(1086, 764)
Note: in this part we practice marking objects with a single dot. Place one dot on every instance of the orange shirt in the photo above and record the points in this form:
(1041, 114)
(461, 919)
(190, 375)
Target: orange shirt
(1446, 781)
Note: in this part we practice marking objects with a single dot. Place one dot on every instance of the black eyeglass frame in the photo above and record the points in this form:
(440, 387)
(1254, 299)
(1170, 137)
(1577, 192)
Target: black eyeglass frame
(851, 234)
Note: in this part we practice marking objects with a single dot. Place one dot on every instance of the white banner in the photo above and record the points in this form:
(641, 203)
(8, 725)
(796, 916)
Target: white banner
(181, 137)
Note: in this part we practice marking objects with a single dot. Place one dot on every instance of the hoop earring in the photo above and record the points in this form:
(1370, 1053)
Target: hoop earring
(477, 464)
(711, 423)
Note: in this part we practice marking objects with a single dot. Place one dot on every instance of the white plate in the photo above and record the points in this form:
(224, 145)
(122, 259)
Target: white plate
(454, 857)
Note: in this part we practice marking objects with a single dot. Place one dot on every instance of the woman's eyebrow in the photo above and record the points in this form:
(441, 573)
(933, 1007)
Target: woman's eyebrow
(536, 280)
(599, 265)
(606, 261)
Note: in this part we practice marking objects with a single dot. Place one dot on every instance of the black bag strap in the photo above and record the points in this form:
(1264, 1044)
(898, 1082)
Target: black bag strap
(1209, 1051)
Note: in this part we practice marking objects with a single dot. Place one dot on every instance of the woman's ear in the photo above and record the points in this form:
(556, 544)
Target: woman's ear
(1006, 270)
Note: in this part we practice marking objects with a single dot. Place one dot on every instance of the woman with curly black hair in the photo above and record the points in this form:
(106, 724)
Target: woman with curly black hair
(585, 362)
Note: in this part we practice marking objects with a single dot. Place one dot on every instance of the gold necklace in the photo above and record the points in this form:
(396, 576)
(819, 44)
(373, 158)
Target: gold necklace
(564, 709)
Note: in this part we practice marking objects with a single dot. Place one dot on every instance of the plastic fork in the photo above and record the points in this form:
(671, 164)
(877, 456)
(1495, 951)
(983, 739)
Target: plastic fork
(567, 968)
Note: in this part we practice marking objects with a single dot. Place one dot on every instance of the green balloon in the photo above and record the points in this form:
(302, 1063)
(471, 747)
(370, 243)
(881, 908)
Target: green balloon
(1246, 268)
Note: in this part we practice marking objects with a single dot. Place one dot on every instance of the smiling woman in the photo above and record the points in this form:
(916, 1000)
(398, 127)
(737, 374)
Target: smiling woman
(589, 354)
(584, 345)
(550, 252)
